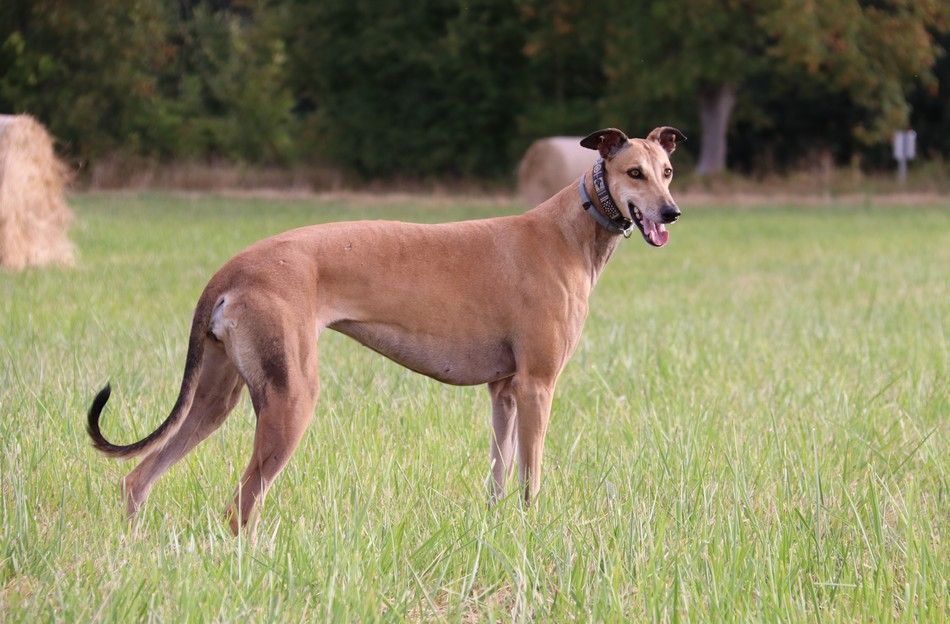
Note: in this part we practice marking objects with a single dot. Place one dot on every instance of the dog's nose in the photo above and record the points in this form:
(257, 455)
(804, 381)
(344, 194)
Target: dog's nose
(670, 213)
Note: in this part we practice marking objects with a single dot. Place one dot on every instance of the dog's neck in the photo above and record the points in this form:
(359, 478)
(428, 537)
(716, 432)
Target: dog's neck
(592, 242)
(603, 243)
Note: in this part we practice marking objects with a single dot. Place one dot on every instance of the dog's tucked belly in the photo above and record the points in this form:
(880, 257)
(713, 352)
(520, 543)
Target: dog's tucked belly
(462, 361)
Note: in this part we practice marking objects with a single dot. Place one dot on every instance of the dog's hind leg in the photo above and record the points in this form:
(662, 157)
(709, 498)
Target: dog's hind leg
(217, 391)
(504, 434)
(284, 392)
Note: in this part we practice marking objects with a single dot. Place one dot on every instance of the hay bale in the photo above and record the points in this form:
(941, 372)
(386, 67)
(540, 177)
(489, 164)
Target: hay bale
(33, 214)
(551, 164)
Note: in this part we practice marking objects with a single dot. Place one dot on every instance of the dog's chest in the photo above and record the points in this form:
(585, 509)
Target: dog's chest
(460, 359)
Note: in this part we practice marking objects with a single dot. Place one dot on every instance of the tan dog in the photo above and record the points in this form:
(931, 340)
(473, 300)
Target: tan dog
(496, 301)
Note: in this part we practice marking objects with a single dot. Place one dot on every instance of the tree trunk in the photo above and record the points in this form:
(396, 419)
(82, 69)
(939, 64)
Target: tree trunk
(715, 108)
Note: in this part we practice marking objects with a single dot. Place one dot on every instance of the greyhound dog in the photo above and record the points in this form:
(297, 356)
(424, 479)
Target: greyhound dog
(495, 301)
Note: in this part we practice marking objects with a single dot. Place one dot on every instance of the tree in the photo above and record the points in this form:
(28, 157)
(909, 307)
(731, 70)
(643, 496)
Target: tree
(664, 53)
(421, 88)
(930, 106)
(459, 87)
(874, 51)
(194, 79)
(564, 70)
(228, 93)
(709, 53)
(87, 69)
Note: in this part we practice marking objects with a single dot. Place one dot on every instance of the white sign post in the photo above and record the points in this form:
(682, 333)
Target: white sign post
(905, 148)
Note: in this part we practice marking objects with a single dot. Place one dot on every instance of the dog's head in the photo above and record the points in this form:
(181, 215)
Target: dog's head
(639, 175)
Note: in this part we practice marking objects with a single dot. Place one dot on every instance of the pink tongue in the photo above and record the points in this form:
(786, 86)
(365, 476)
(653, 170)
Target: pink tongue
(656, 232)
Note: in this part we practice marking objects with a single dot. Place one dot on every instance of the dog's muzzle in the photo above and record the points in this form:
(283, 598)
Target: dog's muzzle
(653, 232)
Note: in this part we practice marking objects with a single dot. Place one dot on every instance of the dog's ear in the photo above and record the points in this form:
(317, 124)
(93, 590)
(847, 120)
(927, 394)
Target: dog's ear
(666, 137)
(608, 142)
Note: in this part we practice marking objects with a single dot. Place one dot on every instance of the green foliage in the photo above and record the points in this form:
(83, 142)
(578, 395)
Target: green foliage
(931, 107)
(427, 87)
(834, 74)
(230, 96)
(875, 52)
(138, 77)
(565, 81)
(459, 88)
(662, 51)
(86, 68)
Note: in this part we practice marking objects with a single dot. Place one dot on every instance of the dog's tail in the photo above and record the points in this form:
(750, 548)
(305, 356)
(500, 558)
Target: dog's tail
(182, 405)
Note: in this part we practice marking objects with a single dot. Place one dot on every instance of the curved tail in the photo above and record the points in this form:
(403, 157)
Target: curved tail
(171, 424)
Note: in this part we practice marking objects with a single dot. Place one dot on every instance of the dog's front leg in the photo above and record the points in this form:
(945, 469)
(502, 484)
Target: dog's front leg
(533, 402)
(504, 440)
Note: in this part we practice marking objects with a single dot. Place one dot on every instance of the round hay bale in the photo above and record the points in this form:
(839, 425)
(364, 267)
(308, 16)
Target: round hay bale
(551, 164)
(34, 217)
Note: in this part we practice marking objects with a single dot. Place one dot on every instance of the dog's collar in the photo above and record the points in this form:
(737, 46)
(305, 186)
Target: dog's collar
(611, 219)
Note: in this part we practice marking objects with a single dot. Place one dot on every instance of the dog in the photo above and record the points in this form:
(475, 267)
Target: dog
(497, 301)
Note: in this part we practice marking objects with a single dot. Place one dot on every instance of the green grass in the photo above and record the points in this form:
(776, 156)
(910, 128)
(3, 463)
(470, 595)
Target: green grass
(754, 428)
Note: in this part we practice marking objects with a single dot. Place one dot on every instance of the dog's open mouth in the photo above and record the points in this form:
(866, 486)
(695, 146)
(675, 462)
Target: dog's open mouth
(654, 233)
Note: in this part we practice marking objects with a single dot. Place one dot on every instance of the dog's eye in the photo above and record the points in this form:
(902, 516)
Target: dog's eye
(667, 172)
(635, 173)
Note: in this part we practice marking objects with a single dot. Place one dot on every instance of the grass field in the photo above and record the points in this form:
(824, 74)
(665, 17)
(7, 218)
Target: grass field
(754, 428)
